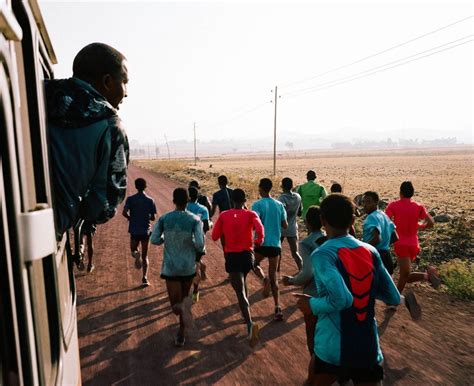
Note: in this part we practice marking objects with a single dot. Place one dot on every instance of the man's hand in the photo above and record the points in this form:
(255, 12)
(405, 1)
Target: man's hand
(303, 303)
(286, 280)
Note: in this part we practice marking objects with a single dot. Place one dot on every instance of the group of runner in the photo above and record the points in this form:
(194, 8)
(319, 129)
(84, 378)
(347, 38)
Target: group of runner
(341, 276)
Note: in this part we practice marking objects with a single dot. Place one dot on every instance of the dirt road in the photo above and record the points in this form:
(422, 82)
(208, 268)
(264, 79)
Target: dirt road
(126, 332)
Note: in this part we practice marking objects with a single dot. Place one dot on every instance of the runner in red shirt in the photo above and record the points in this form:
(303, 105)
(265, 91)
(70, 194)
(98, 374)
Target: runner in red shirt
(409, 216)
(235, 229)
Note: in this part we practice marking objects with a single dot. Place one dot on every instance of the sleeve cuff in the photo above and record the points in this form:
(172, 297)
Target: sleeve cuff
(313, 305)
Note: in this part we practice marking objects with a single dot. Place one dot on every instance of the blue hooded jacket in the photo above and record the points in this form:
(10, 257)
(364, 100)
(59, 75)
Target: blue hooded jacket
(89, 153)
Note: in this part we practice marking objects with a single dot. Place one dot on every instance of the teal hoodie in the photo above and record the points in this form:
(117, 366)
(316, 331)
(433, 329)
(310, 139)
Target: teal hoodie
(89, 153)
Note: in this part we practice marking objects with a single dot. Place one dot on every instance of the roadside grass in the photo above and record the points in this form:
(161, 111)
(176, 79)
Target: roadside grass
(458, 277)
(442, 246)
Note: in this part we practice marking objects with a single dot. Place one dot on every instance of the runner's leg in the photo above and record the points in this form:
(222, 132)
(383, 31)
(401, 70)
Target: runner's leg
(145, 261)
(90, 248)
(272, 274)
(293, 242)
(174, 289)
(404, 264)
(237, 281)
(133, 245)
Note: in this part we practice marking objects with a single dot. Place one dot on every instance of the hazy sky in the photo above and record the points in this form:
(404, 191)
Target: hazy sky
(215, 63)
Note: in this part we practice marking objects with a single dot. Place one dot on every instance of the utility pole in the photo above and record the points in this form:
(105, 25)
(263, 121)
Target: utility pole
(194, 143)
(168, 147)
(275, 132)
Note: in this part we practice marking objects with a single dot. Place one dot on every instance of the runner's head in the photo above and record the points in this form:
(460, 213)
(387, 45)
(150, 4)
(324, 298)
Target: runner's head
(370, 201)
(313, 218)
(140, 184)
(180, 198)
(287, 184)
(406, 189)
(194, 184)
(193, 194)
(337, 213)
(336, 188)
(222, 181)
(265, 186)
(105, 69)
(311, 175)
(238, 198)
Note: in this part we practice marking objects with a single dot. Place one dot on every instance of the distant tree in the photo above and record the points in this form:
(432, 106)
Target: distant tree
(289, 145)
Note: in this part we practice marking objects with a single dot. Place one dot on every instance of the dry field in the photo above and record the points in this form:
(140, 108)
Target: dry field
(443, 181)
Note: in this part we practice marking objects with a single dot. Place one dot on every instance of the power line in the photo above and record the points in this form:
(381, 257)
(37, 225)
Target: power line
(378, 69)
(238, 116)
(377, 53)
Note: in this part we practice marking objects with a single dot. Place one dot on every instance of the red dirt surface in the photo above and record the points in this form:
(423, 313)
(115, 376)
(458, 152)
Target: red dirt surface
(126, 333)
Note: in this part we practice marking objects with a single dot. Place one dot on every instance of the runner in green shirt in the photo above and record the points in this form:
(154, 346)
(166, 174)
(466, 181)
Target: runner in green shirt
(311, 192)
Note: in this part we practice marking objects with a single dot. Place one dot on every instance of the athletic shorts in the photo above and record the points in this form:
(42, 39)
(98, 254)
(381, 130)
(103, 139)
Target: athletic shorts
(403, 251)
(144, 237)
(268, 251)
(368, 375)
(178, 278)
(239, 262)
(387, 261)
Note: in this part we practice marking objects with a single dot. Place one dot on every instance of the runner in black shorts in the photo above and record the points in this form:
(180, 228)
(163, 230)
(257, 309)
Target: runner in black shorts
(273, 216)
(235, 229)
(140, 209)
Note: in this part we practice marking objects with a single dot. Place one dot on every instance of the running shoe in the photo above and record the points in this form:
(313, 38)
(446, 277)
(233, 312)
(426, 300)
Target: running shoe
(412, 304)
(80, 265)
(266, 287)
(138, 261)
(179, 340)
(278, 314)
(203, 272)
(433, 277)
(195, 297)
(135, 254)
(253, 334)
(186, 312)
(90, 268)
(145, 282)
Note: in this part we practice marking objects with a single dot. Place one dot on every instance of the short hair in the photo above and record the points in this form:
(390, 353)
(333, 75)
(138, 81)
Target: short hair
(311, 175)
(373, 195)
(194, 184)
(338, 210)
(336, 188)
(238, 196)
(287, 183)
(180, 196)
(193, 193)
(96, 60)
(140, 184)
(266, 184)
(313, 217)
(222, 180)
(406, 189)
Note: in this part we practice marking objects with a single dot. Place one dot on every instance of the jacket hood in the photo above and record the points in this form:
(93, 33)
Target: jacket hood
(73, 103)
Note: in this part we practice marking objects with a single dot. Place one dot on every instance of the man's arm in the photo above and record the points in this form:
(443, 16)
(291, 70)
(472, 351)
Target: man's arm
(306, 273)
(386, 290)
(428, 221)
(125, 210)
(217, 229)
(156, 237)
(259, 230)
(153, 212)
(213, 209)
(338, 298)
(375, 237)
(198, 236)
